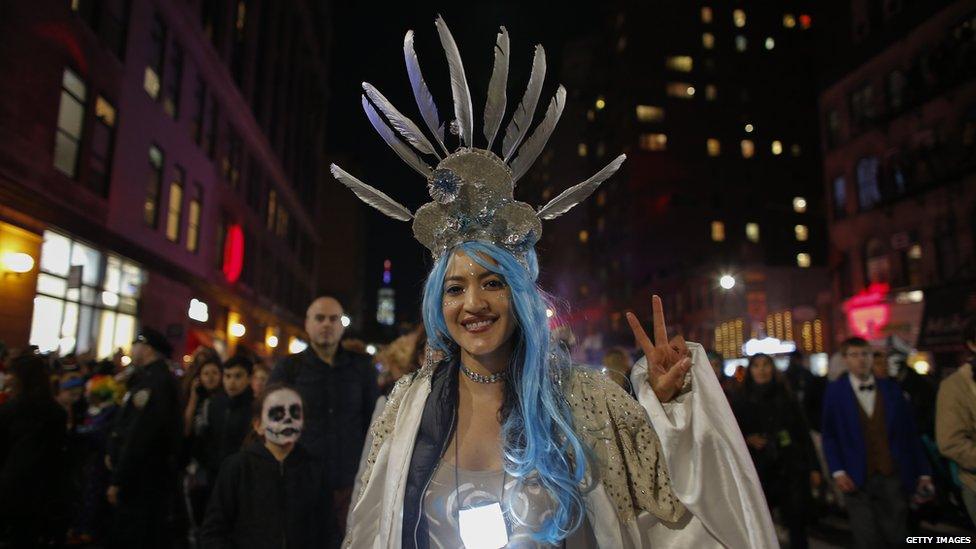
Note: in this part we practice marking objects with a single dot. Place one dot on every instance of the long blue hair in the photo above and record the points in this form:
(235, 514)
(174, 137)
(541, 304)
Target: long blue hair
(537, 426)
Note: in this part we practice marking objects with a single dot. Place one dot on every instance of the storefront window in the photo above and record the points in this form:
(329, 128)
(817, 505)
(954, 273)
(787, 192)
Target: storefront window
(86, 299)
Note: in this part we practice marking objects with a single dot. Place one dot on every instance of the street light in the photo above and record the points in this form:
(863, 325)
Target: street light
(727, 282)
(345, 321)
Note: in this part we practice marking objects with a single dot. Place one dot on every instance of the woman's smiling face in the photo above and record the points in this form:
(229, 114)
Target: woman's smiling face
(477, 307)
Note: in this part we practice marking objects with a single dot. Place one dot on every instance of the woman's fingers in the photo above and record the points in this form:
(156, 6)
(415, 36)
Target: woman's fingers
(660, 329)
(640, 335)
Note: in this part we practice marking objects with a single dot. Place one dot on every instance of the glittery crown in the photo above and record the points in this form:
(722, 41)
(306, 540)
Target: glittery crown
(472, 188)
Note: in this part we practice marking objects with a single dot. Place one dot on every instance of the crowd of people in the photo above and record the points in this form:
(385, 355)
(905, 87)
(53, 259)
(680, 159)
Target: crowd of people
(240, 453)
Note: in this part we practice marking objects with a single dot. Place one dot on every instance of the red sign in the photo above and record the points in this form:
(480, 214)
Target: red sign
(233, 253)
(868, 312)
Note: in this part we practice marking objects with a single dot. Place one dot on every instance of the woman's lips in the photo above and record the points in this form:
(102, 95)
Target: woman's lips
(478, 326)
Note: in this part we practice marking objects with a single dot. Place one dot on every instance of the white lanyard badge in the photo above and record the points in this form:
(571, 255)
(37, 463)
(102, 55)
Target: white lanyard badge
(483, 527)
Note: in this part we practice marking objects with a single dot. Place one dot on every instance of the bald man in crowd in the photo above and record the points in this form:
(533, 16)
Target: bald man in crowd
(340, 390)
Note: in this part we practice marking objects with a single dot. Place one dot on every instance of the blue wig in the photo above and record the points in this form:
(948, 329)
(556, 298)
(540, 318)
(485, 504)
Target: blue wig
(537, 427)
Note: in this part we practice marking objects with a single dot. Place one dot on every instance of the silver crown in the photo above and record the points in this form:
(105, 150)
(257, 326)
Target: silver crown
(472, 188)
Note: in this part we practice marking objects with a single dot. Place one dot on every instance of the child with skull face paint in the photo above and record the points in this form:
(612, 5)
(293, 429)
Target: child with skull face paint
(271, 493)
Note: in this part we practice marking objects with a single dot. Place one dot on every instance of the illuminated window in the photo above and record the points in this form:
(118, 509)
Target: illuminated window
(654, 141)
(584, 236)
(581, 149)
(102, 145)
(789, 21)
(803, 260)
(795, 149)
(71, 116)
(194, 213)
(649, 113)
(806, 21)
(748, 128)
(718, 231)
(153, 186)
(681, 90)
(770, 43)
(799, 204)
(711, 92)
(741, 43)
(802, 233)
(680, 63)
(706, 14)
(777, 148)
(708, 40)
(752, 232)
(174, 81)
(748, 148)
(714, 146)
(174, 215)
(600, 103)
(157, 52)
(739, 18)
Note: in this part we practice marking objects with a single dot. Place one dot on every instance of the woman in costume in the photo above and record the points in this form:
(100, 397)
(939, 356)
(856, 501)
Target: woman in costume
(498, 441)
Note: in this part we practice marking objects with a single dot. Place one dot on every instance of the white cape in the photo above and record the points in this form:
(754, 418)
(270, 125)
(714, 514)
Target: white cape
(710, 469)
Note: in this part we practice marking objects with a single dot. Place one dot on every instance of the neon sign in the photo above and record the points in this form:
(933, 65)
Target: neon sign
(233, 253)
(868, 312)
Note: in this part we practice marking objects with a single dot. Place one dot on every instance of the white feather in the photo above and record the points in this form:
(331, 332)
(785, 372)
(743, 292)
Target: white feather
(578, 193)
(371, 196)
(537, 141)
(425, 101)
(497, 98)
(459, 83)
(400, 123)
(403, 151)
(522, 118)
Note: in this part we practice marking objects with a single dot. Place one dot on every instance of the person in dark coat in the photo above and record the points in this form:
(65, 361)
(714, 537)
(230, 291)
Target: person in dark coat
(807, 388)
(32, 439)
(779, 442)
(272, 493)
(340, 391)
(228, 415)
(144, 449)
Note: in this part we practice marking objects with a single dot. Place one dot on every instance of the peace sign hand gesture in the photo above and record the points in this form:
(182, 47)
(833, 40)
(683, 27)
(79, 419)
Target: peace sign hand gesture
(667, 361)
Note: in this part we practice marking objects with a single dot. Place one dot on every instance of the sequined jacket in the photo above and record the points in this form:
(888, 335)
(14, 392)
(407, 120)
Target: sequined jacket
(675, 474)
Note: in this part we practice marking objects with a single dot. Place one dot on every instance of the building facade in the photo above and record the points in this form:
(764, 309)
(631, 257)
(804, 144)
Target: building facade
(161, 165)
(899, 141)
(715, 106)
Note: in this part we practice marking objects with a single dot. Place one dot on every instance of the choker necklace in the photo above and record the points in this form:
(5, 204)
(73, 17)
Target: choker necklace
(478, 378)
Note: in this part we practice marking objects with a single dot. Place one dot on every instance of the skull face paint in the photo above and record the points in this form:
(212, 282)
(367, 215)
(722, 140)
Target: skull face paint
(282, 417)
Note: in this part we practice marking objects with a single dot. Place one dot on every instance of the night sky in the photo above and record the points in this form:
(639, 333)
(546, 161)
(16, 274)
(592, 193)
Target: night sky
(368, 46)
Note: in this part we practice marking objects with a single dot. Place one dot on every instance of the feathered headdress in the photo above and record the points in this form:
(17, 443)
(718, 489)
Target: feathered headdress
(471, 188)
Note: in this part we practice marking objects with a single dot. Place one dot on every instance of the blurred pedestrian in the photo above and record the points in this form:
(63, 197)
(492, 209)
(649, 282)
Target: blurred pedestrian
(872, 449)
(32, 437)
(228, 415)
(617, 363)
(717, 362)
(779, 442)
(955, 420)
(272, 493)
(259, 379)
(203, 382)
(144, 448)
(91, 517)
(807, 388)
(339, 388)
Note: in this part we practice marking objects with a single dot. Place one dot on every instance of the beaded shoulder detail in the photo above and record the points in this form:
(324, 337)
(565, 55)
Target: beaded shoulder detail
(626, 449)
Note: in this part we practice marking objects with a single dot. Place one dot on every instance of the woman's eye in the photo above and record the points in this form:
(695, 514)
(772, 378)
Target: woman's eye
(453, 290)
(494, 284)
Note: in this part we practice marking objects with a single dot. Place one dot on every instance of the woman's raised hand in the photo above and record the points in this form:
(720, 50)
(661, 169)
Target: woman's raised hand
(667, 361)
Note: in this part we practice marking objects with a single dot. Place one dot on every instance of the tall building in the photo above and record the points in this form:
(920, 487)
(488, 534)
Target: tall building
(899, 140)
(161, 165)
(715, 105)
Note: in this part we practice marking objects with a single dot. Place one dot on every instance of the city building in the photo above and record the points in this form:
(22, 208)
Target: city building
(161, 164)
(715, 106)
(899, 141)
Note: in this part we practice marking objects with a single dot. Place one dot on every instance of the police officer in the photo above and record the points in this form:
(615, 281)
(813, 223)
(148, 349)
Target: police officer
(143, 448)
